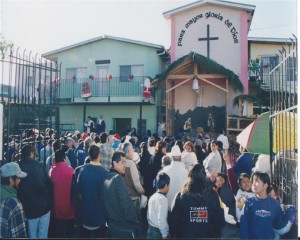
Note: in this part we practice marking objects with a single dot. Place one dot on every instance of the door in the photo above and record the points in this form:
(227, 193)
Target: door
(102, 82)
(122, 125)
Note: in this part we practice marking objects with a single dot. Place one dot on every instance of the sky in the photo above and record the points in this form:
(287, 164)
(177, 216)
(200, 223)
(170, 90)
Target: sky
(47, 25)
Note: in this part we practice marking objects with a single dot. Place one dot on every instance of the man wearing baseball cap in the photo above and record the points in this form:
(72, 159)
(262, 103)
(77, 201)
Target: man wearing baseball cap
(12, 217)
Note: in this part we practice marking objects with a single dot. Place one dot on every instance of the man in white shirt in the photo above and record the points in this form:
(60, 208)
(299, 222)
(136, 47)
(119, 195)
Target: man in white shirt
(222, 138)
(157, 214)
(177, 173)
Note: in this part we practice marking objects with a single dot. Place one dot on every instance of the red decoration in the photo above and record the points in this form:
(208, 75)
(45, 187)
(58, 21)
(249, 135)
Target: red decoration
(56, 81)
(130, 77)
(86, 90)
(108, 76)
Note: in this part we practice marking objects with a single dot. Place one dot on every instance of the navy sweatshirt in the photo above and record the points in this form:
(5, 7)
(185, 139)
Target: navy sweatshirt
(260, 217)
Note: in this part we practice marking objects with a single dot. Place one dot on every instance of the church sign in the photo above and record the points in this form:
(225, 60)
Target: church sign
(205, 16)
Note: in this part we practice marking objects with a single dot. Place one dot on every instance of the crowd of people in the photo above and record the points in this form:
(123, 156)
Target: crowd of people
(100, 185)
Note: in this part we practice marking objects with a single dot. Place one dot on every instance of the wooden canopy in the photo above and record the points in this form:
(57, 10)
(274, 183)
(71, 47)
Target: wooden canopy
(186, 69)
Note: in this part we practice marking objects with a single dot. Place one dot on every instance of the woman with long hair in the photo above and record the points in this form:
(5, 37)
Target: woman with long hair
(188, 156)
(196, 211)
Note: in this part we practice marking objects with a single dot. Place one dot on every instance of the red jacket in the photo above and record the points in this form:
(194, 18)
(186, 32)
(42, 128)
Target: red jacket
(61, 175)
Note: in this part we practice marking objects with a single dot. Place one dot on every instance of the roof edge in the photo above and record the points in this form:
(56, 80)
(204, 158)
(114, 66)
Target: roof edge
(101, 38)
(214, 2)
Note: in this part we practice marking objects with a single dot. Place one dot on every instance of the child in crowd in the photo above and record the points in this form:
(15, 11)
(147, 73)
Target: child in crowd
(262, 217)
(243, 193)
(158, 209)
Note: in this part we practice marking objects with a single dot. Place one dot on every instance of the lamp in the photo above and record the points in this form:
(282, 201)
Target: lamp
(195, 84)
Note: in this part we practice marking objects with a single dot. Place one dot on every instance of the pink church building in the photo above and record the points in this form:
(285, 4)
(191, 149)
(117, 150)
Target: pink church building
(209, 62)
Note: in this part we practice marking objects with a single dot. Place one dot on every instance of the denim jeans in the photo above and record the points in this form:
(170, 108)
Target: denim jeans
(153, 233)
(38, 227)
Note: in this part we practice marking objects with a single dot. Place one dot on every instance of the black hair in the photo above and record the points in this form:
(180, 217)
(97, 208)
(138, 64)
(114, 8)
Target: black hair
(159, 146)
(116, 157)
(132, 141)
(103, 137)
(94, 152)
(220, 145)
(60, 156)
(264, 177)
(56, 145)
(26, 151)
(242, 175)
(196, 185)
(97, 139)
(151, 142)
(111, 132)
(223, 176)
(148, 132)
(143, 147)
(162, 179)
(5, 180)
(122, 140)
(179, 144)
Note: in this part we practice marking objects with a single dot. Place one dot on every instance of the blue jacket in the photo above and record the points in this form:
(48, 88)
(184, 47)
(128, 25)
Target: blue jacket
(90, 186)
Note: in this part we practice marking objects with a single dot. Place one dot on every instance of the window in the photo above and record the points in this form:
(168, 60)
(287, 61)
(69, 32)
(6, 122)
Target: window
(268, 63)
(79, 73)
(135, 70)
(291, 66)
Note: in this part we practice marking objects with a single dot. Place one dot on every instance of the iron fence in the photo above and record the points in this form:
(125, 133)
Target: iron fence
(283, 122)
(29, 91)
(101, 87)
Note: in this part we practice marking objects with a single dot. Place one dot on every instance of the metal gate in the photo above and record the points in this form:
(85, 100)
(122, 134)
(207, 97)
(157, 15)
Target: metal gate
(29, 90)
(283, 81)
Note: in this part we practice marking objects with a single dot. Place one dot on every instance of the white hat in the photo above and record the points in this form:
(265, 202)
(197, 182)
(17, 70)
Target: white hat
(175, 152)
(12, 169)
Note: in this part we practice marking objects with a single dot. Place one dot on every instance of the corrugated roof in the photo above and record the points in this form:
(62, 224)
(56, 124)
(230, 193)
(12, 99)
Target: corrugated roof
(99, 39)
(269, 40)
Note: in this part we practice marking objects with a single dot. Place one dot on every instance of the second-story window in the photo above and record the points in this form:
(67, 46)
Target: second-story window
(136, 70)
(80, 74)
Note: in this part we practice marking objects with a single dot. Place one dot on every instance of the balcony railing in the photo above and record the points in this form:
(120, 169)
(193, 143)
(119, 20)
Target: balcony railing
(103, 88)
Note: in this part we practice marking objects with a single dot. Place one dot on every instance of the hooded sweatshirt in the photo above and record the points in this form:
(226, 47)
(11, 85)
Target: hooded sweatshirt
(7, 192)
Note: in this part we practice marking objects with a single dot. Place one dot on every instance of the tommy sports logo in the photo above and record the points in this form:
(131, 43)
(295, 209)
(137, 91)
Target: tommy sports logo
(198, 214)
